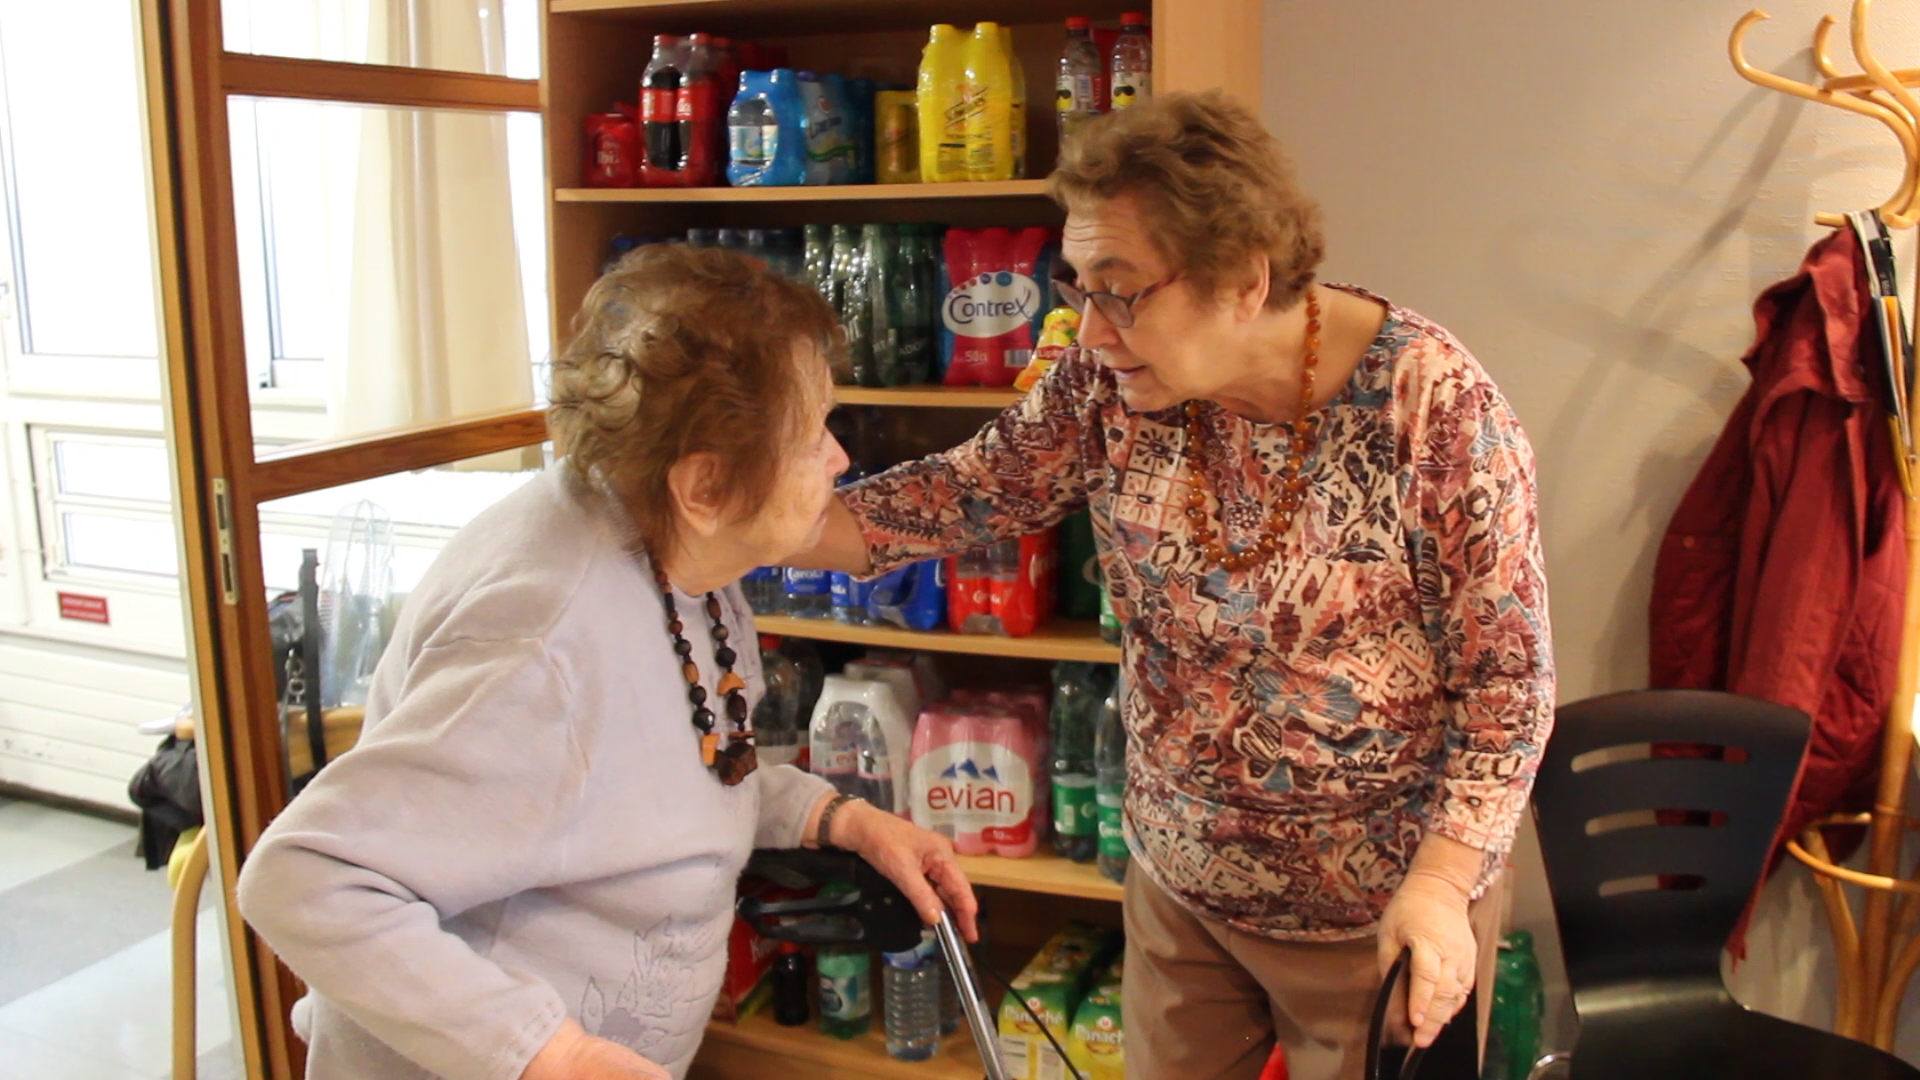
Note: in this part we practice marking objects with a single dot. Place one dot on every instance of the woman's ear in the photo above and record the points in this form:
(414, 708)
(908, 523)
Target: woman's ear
(700, 504)
(1251, 299)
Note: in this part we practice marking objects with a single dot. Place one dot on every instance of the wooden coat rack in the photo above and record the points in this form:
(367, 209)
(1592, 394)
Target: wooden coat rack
(1879, 950)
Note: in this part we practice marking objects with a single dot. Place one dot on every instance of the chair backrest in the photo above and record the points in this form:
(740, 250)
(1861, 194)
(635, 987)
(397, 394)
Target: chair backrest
(1656, 811)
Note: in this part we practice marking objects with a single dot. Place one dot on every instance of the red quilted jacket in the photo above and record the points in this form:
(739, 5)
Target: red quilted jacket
(1783, 572)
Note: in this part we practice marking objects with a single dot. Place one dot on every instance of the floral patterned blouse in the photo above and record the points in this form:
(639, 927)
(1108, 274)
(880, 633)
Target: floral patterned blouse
(1297, 728)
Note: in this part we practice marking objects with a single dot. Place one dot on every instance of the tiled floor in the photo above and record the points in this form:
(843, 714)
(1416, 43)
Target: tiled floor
(85, 961)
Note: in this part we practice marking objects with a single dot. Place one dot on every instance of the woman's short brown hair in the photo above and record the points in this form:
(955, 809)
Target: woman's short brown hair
(1214, 188)
(680, 350)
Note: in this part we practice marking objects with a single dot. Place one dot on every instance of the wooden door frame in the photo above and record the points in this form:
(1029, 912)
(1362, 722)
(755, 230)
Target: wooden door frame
(219, 485)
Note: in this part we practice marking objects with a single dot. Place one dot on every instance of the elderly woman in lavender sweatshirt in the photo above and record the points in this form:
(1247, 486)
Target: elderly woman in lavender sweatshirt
(527, 866)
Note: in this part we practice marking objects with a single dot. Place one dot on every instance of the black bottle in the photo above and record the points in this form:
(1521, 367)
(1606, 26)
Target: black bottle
(790, 986)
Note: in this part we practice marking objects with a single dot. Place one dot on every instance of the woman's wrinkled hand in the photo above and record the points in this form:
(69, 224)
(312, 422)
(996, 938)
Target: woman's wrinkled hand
(572, 1054)
(1429, 914)
(920, 862)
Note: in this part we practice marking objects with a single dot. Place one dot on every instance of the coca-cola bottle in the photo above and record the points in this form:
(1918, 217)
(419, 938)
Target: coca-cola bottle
(699, 114)
(659, 107)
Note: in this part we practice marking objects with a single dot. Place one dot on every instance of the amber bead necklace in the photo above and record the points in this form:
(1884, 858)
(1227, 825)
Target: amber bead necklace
(738, 759)
(1292, 481)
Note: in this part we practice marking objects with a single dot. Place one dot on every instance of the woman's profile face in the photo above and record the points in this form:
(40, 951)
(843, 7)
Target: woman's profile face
(1159, 361)
(796, 511)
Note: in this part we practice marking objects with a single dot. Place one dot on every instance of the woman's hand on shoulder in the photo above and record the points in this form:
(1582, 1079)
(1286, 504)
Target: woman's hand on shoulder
(922, 863)
(572, 1054)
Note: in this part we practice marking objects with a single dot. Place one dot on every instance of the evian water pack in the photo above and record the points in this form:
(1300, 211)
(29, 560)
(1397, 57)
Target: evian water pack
(977, 771)
(995, 305)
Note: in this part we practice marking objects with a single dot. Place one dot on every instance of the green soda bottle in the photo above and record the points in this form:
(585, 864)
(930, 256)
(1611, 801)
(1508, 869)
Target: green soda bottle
(1079, 568)
(1519, 1005)
(846, 991)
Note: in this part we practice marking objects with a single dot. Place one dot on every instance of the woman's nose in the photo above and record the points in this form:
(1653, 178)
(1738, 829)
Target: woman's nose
(838, 462)
(1095, 331)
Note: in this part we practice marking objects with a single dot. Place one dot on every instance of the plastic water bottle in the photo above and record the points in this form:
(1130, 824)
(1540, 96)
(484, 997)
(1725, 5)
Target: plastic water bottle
(816, 259)
(873, 774)
(813, 673)
(809, 594)
(834, 745)
(878, 269)
(1078, 88)
(778, 734)
(913, 307)
(766, 590)
(846, 991)
(913, 1001)
(850, 597)
(1078, 697)
(1110, 762)
(1132, 62)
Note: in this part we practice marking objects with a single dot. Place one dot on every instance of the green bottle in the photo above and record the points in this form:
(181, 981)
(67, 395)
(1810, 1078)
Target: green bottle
(878, 269)
(1079, 568)
(846, 991)
(1519, 1005)
(1109, 622)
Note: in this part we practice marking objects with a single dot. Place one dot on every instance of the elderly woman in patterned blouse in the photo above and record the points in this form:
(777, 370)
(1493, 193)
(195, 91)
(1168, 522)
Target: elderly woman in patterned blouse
(1317, 518)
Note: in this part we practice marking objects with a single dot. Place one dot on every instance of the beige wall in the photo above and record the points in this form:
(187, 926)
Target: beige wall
(1591, 199)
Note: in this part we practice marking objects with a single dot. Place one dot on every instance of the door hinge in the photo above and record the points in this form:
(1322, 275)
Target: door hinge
(223, 530)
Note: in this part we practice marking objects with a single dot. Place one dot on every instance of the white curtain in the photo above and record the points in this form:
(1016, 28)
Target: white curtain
(436, 323)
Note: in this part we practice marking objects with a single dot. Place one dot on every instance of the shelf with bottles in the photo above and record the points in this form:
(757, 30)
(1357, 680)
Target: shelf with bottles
(928, 397)
(1058, 640)
(1003, 189)
(758, 1047)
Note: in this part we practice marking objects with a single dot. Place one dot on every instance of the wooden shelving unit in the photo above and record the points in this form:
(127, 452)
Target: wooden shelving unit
(595, 52)
(1055, 641)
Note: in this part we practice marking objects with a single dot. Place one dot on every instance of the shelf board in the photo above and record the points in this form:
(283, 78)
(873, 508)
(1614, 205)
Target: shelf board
(929, 397)
(1042, 872)
(767, 18)
(999, 189)
(742, 1049)
(1058, 640)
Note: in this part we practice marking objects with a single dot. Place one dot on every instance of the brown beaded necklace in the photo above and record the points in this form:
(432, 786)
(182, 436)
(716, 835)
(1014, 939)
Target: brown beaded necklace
(1293, 485)
(738, 760)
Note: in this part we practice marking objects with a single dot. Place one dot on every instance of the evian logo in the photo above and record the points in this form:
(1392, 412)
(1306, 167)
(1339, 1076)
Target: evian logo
(972, 786)
(997, 302)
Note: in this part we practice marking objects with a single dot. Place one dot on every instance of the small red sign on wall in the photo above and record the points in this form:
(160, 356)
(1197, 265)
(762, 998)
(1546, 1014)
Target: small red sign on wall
(82, 608)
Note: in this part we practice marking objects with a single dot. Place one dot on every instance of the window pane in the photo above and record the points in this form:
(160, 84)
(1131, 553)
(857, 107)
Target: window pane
(76, 174)
(373, 541)
(118, 469)
(495, 37)
(132, 543)
(393, 263)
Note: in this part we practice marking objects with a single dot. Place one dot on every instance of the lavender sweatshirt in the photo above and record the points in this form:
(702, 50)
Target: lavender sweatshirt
(525, 831)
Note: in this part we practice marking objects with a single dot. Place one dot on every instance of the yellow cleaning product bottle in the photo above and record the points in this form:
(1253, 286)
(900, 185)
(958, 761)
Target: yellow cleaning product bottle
(1019, 113)
(943, 117)
(988, 93)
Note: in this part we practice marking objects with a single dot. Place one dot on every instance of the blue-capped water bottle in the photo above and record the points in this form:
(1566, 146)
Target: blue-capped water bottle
(809, 593)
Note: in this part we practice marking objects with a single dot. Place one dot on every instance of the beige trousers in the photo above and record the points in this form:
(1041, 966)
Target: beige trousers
(1204, 1001)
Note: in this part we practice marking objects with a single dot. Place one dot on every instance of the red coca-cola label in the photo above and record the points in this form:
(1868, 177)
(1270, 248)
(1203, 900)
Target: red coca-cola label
(658, 106)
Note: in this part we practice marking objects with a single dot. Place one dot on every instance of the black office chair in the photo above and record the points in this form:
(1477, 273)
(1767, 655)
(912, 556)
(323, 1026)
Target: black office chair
(1455, 1053)
(1656, 811)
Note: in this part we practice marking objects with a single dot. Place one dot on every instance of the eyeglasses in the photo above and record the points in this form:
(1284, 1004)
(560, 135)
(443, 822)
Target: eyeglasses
(1115, 308)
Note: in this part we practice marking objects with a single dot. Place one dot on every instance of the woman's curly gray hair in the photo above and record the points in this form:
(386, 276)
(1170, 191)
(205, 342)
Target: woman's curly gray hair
(677, 351)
